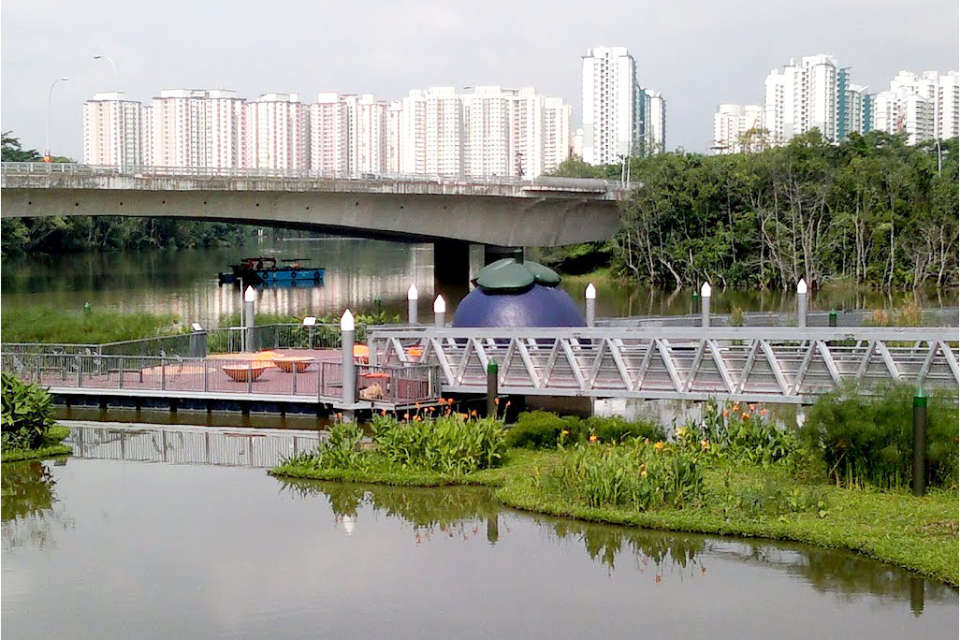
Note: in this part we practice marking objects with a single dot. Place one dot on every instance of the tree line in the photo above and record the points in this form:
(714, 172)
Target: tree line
(58, 234)
(871, 210)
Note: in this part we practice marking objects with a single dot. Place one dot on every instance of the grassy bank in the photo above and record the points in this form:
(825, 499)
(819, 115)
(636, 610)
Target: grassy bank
(51, 324)
(919, 534)
(51, 447)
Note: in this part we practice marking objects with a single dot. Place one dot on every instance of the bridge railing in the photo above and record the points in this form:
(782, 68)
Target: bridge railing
(76, 169)
(763, 364)
(932, 317)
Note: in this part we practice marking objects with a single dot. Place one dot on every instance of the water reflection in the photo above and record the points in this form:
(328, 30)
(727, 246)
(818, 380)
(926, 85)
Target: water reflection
(262, 448)
(184, 282)
(28, 507)
(470, 512)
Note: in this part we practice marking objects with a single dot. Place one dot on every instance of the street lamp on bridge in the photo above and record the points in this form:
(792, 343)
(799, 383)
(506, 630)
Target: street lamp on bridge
(46, 153)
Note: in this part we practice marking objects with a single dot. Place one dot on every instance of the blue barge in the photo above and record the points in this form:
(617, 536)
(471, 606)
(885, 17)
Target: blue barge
(263, 270)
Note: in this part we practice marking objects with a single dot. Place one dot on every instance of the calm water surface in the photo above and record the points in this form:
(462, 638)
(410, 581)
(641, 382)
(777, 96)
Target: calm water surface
(358, 273)
(97, 548)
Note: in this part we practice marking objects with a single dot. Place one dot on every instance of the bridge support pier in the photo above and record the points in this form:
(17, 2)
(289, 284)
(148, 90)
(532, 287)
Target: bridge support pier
(456, 263)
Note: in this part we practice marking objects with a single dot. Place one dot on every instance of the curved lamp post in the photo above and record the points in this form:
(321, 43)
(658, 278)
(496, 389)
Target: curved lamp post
(46, 154)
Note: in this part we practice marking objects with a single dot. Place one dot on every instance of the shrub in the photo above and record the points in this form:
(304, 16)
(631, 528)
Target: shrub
(541, 430)
(27, 414)
(869, 439)
(616, 429)
(636, 474)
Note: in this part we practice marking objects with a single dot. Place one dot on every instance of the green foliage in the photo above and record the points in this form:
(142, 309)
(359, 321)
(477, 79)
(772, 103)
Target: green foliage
(27, 414)
(871, 209)
(544, 430)
(869, 439)
(637, 474)
(52, 324)
(449, 444)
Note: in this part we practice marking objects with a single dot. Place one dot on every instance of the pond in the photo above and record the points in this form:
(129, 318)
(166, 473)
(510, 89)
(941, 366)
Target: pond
(113, 548)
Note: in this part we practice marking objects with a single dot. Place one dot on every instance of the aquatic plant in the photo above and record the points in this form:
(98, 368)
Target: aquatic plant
(639, 474)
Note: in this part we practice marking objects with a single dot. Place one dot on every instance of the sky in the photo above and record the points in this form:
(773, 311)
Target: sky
(697, 53)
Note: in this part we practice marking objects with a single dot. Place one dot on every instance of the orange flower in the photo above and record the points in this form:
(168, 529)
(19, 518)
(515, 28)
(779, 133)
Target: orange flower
(496, 401)
(745, 416)
(473, 413)
(339, 416)
(508, 404)
(406, 416)
(753, 407)
(725, 413)
(763, 412)
(704, 444)
(449, 400)
(736, 407)
(646, 441)
(417, 419)
(658, 446)
(593, 437)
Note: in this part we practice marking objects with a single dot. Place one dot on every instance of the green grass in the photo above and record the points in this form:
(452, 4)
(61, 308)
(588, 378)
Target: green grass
(52, 447)
(893, 526)
(51, 324)
(920, 534)
(517, 461)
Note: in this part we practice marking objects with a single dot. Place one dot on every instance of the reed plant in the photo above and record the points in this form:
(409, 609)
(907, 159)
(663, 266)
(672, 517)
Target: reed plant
(543, 430)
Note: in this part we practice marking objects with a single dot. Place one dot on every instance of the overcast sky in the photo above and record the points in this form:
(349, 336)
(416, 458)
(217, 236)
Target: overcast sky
(698, 53)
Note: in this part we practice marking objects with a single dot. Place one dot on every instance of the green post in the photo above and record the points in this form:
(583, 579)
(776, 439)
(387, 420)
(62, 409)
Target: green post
(693, 300)
(919, 443)
(492, 389)
(86, 307)
(833, 318)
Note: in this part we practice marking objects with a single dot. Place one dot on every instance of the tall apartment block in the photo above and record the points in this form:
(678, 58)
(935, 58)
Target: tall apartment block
(925, 106)
(112, 131)
(731, 123)
(619, 117)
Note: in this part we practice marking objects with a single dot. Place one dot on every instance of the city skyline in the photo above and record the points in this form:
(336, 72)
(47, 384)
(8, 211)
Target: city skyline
(696, 58)
(435, 131)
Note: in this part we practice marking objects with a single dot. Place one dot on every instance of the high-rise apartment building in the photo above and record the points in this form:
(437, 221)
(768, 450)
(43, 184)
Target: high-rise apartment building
(438, 131)
(731, 123)
(279, 132)
(925, 106)
(112, 131)
(811, 94)
(654, 123)
(329, 136)
(611, 105)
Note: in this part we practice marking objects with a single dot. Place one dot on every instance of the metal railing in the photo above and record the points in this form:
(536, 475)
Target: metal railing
(144, 171)
(310, 379)
(765, 364)
(936, 316)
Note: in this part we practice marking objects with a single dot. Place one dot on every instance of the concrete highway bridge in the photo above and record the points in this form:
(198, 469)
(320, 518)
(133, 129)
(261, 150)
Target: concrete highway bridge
(454, 212)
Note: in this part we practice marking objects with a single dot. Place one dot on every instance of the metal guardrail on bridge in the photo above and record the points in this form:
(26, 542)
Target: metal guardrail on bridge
(786, 365)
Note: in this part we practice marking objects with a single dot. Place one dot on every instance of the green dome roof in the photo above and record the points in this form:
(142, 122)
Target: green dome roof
(509, 275)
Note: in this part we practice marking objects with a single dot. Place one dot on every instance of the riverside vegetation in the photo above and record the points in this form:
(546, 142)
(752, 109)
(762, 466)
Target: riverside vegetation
(28, 429)
(871, 210)
(839, 481)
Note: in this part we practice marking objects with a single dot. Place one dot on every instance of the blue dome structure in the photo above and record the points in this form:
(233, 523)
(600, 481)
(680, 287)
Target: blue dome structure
(517, 294)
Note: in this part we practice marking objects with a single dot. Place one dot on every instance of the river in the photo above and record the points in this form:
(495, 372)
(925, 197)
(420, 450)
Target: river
(359, 273)
(97, 548)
